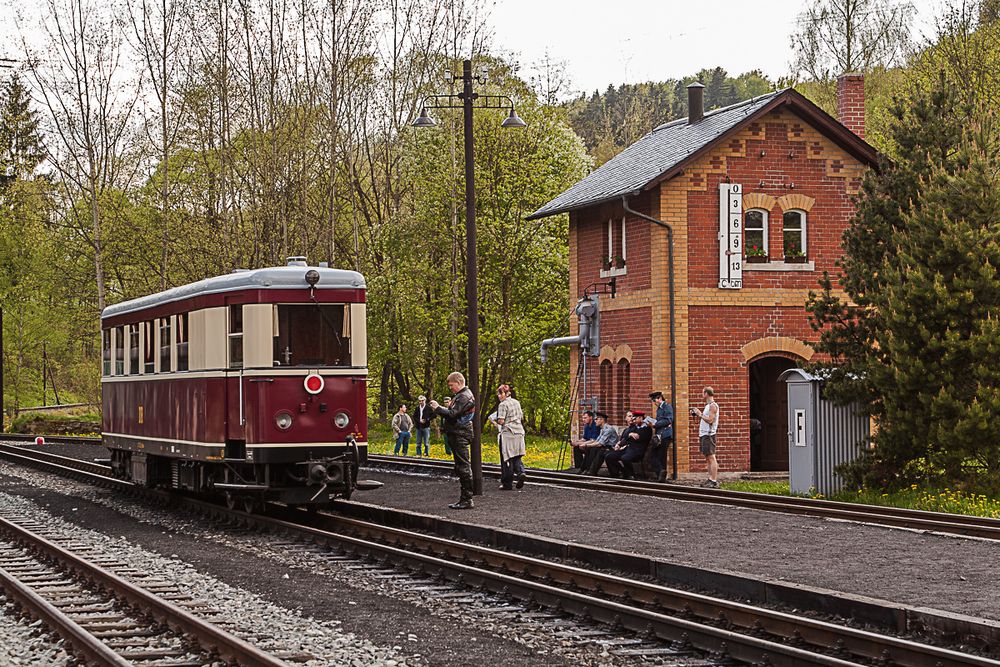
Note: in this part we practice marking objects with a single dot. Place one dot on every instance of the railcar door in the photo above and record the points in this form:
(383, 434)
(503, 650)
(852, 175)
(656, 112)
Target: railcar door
(235, 383)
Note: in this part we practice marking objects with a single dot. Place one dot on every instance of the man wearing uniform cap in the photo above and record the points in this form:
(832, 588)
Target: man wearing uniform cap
(620, 460)
(663, 427)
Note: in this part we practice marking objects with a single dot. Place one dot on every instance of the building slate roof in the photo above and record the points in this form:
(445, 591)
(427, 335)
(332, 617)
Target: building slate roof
(651, 156)
(668, 146)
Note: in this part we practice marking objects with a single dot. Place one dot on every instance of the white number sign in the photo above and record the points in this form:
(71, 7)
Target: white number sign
(730, 236)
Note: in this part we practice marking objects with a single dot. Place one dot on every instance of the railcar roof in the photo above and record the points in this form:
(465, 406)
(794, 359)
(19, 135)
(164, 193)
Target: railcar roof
(279, 277)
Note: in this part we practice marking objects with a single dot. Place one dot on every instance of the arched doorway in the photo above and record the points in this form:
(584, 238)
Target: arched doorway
(769, 406)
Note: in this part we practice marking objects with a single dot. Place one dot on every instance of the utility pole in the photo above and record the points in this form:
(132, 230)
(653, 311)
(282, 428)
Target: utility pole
(471, 100)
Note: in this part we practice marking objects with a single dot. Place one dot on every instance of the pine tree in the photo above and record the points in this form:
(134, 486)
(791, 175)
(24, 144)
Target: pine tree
(941, 304)
(925, 131)
(21, 149)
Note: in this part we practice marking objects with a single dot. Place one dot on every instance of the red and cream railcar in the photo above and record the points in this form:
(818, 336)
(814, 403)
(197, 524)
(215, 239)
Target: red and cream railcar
(251, 385)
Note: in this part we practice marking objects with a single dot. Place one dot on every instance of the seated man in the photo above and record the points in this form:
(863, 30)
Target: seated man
(630, 448)
(596, 450)
(589, 434)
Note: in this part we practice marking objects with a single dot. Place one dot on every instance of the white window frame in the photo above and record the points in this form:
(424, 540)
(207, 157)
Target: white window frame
(804, 217)
(610, 251)
(767, 220)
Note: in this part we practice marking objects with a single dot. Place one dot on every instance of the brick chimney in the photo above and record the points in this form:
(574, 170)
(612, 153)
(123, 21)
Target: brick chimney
(851, 102)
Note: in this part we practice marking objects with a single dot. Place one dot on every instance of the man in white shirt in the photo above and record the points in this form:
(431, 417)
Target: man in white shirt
(708, 425)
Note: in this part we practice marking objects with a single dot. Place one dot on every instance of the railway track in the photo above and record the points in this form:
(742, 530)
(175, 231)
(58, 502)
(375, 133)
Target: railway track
(105, 618)
(958, 524)
(662, 621)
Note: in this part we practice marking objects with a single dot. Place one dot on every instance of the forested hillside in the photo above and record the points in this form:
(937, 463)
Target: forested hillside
(146, 145)
(616, 118)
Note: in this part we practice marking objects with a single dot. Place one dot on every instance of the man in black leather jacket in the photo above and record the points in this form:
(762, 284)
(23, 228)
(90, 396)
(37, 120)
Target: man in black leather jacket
(458, 425)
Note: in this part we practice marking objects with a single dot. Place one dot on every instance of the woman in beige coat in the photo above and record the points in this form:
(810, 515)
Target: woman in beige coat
(509, 416)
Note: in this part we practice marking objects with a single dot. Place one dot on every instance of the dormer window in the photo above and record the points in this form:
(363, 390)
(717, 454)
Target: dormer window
(755, 233)
(614, 260)
(794, 223)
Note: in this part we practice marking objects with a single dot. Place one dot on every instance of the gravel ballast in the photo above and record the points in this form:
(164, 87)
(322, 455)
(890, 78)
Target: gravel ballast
(937, 571)
(397, 624)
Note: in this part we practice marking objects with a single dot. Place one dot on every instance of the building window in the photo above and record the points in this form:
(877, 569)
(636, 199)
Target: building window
(182, 342)
(165, 345)
(624, 388)
(235, 336)
(607, 388)
(613, 262)
(106, 350)
(148, 349)
(133, 349)
(755, 233)
(795, 233)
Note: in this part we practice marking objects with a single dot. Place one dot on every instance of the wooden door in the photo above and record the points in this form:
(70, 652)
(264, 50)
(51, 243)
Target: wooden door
(769, 405)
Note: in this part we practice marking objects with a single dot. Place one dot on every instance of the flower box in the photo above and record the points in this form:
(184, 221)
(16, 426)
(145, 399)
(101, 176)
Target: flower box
(756, 259)
(795, 259)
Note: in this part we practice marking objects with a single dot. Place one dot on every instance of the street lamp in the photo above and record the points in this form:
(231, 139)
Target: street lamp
(471, 100)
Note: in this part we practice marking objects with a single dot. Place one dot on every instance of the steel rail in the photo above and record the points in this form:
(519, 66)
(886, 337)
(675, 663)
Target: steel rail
(635, 605)
(208, 636)
(85, 645)
(941, 522)
(958, 524)
(76, 464)
(820, 634)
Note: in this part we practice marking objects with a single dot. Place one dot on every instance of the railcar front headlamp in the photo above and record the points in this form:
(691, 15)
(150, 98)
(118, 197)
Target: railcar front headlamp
(312, 277)
(341, 419)
(283, 420)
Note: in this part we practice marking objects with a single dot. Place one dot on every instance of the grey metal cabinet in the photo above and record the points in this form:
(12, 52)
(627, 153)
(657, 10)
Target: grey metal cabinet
(821, 434)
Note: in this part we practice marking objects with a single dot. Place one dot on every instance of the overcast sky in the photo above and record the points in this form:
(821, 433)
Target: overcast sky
(629, 41)
(606, 42)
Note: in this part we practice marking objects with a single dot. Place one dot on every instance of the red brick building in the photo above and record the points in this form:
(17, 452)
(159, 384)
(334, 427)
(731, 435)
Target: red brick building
(758, 195)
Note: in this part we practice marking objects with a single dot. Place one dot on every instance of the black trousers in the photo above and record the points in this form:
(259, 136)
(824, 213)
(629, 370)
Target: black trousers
(656, 458)
(460, 443)
(620, 462)
(595, 457)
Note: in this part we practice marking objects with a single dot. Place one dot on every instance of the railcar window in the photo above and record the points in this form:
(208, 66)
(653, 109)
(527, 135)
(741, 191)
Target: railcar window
(106, 350)
(119, 350)
(133, 349)
(235, 336)
(148, 351)
(164, 344)
(312, 335)
(182, 342)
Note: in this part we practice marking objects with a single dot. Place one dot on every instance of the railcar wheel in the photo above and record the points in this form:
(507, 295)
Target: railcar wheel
(251, 504)
(230, 500)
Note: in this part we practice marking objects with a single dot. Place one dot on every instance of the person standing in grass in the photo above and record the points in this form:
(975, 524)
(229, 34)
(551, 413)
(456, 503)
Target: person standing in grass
(401, 427)
(508, 418)
(422, 416)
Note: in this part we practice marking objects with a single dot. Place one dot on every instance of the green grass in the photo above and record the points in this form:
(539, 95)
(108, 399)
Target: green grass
(49, 423)
(542, 452)
(915, 497)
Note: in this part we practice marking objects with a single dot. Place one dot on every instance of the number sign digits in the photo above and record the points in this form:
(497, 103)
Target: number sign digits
(730, 236)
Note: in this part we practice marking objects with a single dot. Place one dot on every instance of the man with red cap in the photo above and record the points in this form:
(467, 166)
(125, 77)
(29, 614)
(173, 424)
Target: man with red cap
(631, 448)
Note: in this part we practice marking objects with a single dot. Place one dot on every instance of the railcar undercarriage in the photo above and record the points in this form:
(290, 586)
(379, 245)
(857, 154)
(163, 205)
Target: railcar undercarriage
(313, 482)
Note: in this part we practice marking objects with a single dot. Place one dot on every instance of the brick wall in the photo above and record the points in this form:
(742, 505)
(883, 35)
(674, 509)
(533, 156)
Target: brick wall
(716, 362)
(592, 237)
(714, 327)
